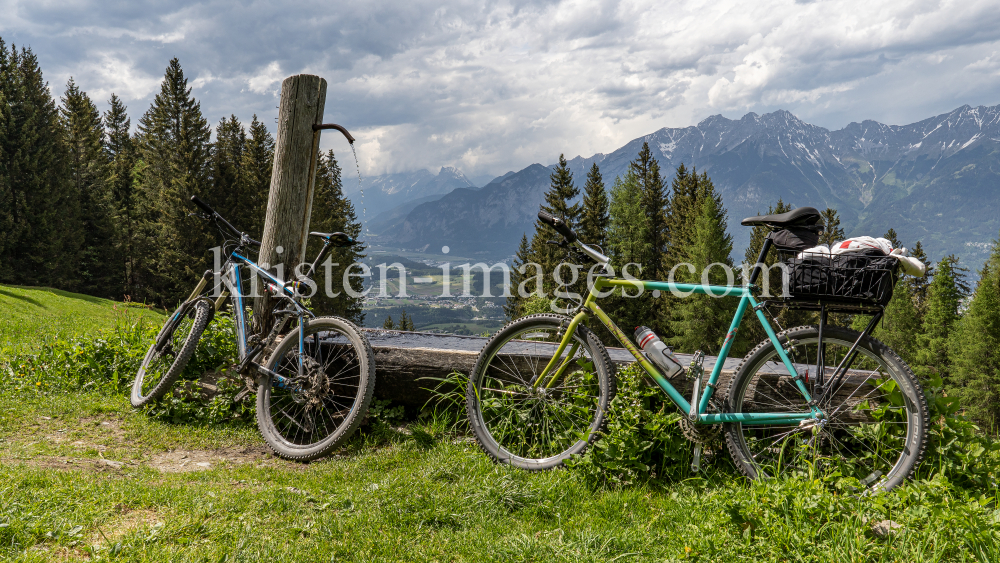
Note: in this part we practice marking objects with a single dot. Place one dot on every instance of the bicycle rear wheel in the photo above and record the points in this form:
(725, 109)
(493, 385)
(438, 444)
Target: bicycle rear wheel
(323, 403)
(875, 429)
(532, 426)
(161, 368)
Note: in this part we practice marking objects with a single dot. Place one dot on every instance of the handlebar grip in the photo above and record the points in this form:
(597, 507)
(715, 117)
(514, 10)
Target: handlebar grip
(559, 225)
(204, 206)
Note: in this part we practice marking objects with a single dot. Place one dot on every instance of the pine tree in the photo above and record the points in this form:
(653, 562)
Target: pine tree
(513, 309)
(701, 321)
(900, 325)
(558, 203)
(944, 297)
(628, 243)
(901, 322)
(7, 226)
(227, 160)
(333, 212)
(974, 348)
(175, 149)
(919, 286)
(41, 231)
(892, 237)
(654, 207)
(405, 321)
(97, 271)
(122, 160)
(832, 232)
(255, 176)
(684, 206)
(594, 215)
(388, 323)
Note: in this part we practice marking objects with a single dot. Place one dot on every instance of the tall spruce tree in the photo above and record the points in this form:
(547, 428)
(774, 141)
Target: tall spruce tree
(943, 299)
(227, 166)
(919, 286)
(333, 212)
(255, 175)
(97, 272)
(40, 225)
(701, 321)
(514, 309)
(974, 348)
(654, 207)
(8, 228)
(121, 151)
(831, 227)
(900, 325)
(174, 144)
(893, 238)
(683, 207)
(628, 243)
(559, 203)
(594, 215)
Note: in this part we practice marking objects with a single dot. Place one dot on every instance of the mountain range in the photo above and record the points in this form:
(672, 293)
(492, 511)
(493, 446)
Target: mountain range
(387, 191)
(936, 181)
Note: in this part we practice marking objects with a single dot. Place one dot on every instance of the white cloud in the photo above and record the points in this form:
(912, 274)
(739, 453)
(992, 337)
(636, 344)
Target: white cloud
(265, 80)
(489, 87)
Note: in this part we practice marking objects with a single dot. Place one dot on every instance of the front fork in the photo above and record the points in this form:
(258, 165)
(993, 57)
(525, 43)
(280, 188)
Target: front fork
(168, 331)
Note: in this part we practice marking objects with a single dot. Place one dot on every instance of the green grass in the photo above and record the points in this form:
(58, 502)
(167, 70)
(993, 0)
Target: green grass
(83, 476)
(30, 315)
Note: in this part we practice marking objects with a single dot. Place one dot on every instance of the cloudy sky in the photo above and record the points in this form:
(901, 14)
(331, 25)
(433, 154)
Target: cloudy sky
(491, 87)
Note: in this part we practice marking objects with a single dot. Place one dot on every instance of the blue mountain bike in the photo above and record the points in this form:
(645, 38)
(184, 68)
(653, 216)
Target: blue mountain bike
(317, 379)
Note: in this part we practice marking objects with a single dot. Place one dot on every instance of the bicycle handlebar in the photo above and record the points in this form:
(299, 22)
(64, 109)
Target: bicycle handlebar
(559, 225)
(215, 216)
(563, 229)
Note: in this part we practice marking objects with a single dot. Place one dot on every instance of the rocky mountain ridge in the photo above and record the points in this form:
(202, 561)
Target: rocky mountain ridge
(935, 180)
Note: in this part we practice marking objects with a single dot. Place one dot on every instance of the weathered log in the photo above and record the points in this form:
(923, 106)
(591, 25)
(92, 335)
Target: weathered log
(293, 178)
(408, 363)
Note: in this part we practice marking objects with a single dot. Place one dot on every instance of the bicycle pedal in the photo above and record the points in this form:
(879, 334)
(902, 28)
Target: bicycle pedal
(242, 395)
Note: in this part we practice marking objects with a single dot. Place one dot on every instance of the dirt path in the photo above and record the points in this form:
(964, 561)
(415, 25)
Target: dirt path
(106, 444)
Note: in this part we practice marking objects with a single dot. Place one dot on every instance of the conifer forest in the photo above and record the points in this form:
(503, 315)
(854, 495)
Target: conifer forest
(90, 204)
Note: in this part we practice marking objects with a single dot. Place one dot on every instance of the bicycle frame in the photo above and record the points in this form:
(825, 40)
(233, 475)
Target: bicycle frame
(232, 287)
(590, 306)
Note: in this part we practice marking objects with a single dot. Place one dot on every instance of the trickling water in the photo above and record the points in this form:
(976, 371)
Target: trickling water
(364, 210)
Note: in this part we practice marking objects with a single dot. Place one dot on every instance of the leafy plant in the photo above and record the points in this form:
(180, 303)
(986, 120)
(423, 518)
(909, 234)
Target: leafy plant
(642, 440)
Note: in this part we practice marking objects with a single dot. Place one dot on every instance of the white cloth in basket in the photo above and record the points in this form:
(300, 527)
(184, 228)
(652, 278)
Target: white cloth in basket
(910, 265)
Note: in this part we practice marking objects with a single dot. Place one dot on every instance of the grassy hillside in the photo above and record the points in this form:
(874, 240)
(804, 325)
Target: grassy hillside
(30, 315)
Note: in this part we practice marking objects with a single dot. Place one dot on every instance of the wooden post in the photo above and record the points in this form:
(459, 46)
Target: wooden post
(293, 178)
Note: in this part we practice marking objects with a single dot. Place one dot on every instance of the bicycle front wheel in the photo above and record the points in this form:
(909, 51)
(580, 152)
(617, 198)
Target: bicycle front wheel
(328, 384)
(161, 368)
(531, 422)
(875, 426)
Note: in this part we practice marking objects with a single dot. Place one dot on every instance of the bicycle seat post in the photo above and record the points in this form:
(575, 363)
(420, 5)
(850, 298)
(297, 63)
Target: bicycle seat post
(764, 249)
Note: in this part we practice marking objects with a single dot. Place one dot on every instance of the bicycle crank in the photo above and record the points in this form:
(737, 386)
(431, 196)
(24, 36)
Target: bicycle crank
(696, 463)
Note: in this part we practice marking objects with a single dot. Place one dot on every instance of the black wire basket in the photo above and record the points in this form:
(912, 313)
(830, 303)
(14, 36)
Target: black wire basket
(854, 281)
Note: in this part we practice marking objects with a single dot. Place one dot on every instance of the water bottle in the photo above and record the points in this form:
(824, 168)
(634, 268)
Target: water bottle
(657, 351)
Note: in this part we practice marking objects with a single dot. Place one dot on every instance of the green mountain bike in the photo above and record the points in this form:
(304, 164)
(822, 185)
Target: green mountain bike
(822, 401)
